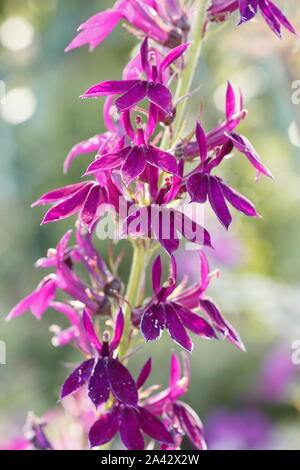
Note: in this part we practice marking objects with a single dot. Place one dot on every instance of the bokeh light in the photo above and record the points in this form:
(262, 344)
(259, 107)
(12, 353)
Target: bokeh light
(20, 105)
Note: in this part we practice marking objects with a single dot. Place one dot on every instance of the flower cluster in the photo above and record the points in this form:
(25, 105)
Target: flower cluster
(144, 181)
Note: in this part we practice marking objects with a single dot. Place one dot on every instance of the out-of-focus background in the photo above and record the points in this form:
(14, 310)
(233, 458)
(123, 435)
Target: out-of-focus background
(246, 401)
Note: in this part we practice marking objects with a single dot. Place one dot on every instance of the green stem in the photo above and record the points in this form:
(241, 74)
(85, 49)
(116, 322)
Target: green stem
(134, 286)
(185, 79)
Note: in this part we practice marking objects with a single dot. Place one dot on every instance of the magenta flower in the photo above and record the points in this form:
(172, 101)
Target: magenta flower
(163, 312)
(130, 423)
(134, 91)
(103, 373)
(177, 415)
(273, 16)
(201, 184)
(165, 22)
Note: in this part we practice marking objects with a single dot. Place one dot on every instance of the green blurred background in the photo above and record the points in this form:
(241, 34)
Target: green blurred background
(258, 291)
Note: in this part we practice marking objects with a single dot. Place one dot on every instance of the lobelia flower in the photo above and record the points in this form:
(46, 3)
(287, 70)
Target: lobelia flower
(134, 159)
(166, 312)
(65, 279)
(177, 415)
(165, 21)
(223, 134)
(201, 184)
(130, 423)
(218, 10)
(102, 373)
(134, 91)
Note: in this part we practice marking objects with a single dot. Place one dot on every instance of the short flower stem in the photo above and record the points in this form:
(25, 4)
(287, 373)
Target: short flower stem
(134, 286)
(185, 79)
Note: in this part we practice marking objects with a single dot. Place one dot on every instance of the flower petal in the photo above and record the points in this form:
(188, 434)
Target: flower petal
(153, 427)
(90, 330)
(173, 55)
(111, 87)
(99, 386)
(217, 202)
(161, 96)
(163, 160)
(244, 146)
(191, 424)
(86, 146)
(119, 328)
(202, 143)
(58, 194)
(238, 201)
(107, 162)
(280, 16)
(197, 187)
(156, 274)
(104, 429)
(130, 430)
(89, 209)
(194, 322)
(144, 374)
(78, 378)
(176, 329)
(121, 382)
(153, 323)
(134, 165)
(133, 96)
(230, 101)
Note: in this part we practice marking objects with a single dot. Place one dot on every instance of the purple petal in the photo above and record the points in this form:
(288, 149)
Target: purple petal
(220, 324)
(78, 378)
(144, 374)
(191, 230)
(86, 146)
(175, 370)
(163, 160)
(269, 18)
(133, 96)
(119, 328)
(169, 245)
(95, 29)
(248, 9)
(121, 383)
(107, 162)
(130, 430)
(153, 427)
(110, 88)
(191, 424)
(134, 165)
(238, 201)
(60, 193)
(194, 322)
(280, 16)
(202, 143)
(156, 274)
(197, 187)
(90, 330)
(217, 202)
(90, 206)
(145, 58)
(153, 323)
(104, 429)
(38, 301)
(161, 96)
(176, 329)
(244, 146)
(99, 386)
(68, 207)
(230, 101)
(173, 55)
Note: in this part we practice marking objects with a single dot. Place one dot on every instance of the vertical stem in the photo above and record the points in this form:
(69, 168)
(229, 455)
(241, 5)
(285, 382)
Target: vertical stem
(134, 286)
(186, 77)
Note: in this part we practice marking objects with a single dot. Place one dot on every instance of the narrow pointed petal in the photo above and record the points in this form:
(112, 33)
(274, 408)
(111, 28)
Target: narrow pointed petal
(202, 143)
(197, 187)
(107, 162)
(194, 322)
(145, 58)
(163, 160)
(269, 18)
(90, 330)
(220, 323)
(78, 378)
(281, 17)
(96, 29)
(153, 427)
(60, 193)
(99, 386)
(38, 301)
(176, 329)
(170, 245)
(175, 370)
(133, 96)
(86, 146)
(110, 87)
(104, 429)
(153, 323)
(191, 424)
(121, 383)
(89, 209)
(68, 207)
(144, 374)
(248, 9)
(161, 96)
(130, 430)
(230, 101)
(244, 146)
(238, 201)
(191, 230)
(156, 274)
(217, 202)
(119, 328)
(173, 55)
(134, 165)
